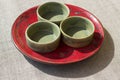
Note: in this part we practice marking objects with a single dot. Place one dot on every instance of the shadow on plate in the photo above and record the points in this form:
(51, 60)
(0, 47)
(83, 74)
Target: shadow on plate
(84, 68)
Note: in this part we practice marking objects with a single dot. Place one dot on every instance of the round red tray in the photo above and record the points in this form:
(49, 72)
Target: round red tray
(63, 54)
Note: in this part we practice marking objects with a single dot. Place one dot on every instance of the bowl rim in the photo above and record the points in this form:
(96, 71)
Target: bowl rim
(64, 34)
(32, 41)
(55, 21)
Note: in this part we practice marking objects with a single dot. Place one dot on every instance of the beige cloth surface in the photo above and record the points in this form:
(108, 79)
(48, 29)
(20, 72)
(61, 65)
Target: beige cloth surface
(105, 65)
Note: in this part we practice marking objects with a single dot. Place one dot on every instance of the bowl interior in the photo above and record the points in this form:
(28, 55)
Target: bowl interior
(77, 27)
(53, 11)
(43, 32)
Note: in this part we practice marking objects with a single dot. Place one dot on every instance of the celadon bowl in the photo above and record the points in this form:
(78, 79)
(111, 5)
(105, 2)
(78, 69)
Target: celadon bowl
(43, 36)
(53, 11)
(77, 31)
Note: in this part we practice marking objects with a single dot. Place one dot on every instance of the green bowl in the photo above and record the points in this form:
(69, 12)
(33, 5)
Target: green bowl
(77, 31)
(43, 36)
(53, 11)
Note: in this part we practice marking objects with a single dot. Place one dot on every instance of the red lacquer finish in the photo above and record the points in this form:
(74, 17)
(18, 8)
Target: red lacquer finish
(63, 54)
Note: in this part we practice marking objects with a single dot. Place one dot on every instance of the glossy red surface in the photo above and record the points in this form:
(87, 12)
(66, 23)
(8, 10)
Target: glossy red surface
(63, 54)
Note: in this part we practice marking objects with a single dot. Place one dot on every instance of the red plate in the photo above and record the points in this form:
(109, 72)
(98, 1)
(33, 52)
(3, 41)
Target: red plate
(63, 54)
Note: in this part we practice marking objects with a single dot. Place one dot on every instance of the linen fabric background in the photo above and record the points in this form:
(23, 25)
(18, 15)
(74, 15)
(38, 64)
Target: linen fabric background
(104, 65)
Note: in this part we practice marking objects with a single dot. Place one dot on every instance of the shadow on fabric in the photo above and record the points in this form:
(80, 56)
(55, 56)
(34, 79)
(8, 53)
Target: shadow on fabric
(85, 68)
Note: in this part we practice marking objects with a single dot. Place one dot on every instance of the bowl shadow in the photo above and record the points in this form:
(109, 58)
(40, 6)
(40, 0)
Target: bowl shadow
(90, 66)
